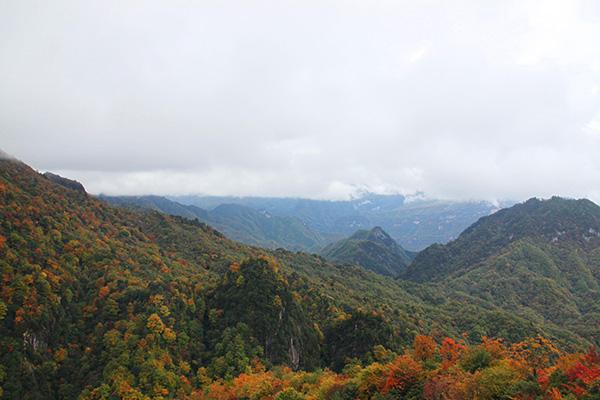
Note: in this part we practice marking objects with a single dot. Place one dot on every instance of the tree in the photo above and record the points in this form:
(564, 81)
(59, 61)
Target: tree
(450, 351)
(424, 347)
(403, 376)
(355, 337)
(155, 324)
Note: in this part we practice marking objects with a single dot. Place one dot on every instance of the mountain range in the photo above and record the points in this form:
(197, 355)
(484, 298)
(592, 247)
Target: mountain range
(310, 225)
(98, 301)
(414, 222)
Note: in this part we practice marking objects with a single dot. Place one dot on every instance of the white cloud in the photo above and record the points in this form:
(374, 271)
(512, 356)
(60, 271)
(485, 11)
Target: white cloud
(320, 99)
(418, 54)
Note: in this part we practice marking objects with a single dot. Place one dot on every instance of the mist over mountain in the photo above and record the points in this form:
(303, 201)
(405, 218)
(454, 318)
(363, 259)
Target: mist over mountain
(493, 102)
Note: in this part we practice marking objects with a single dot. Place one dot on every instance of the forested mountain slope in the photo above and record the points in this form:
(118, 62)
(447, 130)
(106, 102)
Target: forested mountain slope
(89, 297)
(372, 249)
(539, 259)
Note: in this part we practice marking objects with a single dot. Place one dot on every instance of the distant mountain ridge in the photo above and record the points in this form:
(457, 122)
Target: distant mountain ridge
(372, 249)
(413, 223)
(238, 222)
(309, 225)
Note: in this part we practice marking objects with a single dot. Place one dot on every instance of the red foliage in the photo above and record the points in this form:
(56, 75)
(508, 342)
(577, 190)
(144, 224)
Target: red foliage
(437, 387)
(404, 372)
(543, 379)
(583, 373)
(103, 292)
(592, 356)
(450, 351)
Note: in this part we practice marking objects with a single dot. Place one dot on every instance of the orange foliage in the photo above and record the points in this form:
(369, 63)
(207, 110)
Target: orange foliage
(447, 387)
(554, 394)
(493, 346)
(535, 353)
(104, 291)
(19, 316)
(258, 385)
(218, 391)
(416, 374)
(424, 347)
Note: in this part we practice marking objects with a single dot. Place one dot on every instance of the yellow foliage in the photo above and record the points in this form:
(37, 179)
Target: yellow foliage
(169, 335)
(271, 261)
(155, 324)
(164, 311)
(60, 355)
(424, 347)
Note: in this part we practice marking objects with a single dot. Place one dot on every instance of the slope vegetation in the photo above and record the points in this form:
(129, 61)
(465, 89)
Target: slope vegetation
(374, 250)
(539, 259)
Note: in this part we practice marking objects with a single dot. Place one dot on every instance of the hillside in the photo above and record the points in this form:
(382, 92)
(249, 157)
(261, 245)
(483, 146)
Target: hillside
(238, 222)
(263, 229)
(374, 250)
(157, 203)
(539, 259)
(89, 297)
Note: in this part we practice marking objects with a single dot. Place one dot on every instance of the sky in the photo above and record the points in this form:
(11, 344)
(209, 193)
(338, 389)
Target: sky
(321, 99)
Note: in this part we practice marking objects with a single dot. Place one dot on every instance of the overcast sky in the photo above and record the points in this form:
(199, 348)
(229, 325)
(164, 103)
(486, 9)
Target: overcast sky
(459, 99)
